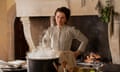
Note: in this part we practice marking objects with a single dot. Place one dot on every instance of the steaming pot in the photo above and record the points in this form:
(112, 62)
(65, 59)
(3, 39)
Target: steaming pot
(41, 65)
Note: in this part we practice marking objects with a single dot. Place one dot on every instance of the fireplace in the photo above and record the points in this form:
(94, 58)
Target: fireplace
(91, 26)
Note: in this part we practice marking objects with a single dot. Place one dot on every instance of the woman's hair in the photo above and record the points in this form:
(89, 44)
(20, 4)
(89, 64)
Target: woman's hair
(65, 10)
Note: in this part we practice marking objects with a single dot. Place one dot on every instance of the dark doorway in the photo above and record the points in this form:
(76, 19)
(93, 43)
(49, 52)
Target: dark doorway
(20, 44)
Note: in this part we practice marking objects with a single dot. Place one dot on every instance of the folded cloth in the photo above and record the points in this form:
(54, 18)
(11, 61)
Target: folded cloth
(4, 64)
(17, 63)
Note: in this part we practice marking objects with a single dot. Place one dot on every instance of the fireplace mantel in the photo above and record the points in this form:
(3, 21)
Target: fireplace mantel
(47, 7)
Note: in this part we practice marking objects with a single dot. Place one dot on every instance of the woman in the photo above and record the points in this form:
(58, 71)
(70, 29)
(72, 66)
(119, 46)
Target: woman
(60, 36)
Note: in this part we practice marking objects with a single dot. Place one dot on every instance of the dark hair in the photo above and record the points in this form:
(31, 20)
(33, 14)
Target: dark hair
(65, 10)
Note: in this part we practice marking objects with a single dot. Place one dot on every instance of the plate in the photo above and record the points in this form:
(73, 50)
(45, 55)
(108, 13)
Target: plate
(86, 64)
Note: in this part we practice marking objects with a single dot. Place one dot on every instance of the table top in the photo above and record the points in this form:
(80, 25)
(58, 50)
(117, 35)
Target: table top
(110, 68)
(14, 69)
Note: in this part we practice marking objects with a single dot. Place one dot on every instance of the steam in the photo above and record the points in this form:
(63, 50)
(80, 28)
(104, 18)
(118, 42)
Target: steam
(43, 53)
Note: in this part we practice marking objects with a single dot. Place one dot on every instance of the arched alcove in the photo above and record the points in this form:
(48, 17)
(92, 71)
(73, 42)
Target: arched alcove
(20, 45)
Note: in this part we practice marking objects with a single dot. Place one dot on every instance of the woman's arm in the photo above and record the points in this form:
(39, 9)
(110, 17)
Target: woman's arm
(83, 41)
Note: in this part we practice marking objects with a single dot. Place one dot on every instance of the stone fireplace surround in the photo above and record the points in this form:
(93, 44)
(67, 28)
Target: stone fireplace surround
(30, 11)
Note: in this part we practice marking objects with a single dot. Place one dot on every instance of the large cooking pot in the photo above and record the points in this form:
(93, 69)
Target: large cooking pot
(41, 65)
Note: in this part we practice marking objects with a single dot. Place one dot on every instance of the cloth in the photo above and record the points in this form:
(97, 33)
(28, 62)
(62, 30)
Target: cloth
(61, 38)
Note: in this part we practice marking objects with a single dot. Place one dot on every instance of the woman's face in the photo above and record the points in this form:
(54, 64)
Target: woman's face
(60, 18)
